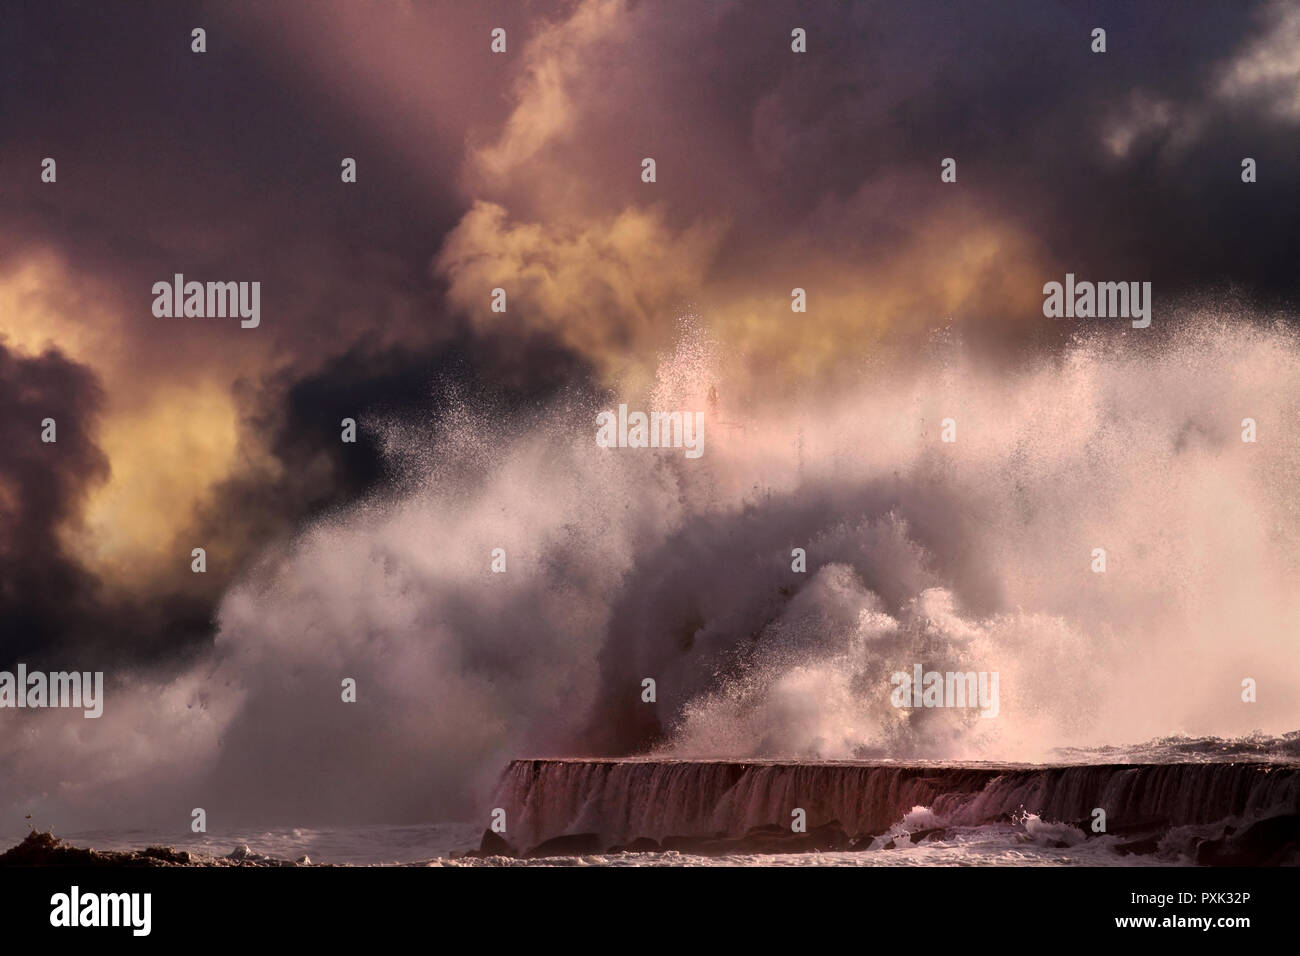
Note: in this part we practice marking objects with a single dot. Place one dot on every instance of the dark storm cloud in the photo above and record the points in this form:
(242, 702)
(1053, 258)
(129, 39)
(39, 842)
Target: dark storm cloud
(215, 165)
(222, 166)
(52, 609)
(301, 414)
(221, 163)
(226, 166)
(41, 485)
(741, 126)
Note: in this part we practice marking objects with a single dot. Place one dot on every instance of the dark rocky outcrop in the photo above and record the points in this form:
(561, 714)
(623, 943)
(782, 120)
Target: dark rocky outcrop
(571, 844)
(768, 838)
(1143, 846)
(699, 845)
(494, 844)
(1274, 841)
(930, 833)
(45, 849)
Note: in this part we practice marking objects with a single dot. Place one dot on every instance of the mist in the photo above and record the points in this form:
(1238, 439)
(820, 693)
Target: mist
(623, 564)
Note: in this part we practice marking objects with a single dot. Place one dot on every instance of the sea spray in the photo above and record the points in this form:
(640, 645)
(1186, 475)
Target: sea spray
(974, 555)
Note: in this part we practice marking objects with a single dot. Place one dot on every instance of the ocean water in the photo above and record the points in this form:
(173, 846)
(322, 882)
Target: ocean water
(1178, 791)
(1030, 843)
(969, 558)
(350, 845)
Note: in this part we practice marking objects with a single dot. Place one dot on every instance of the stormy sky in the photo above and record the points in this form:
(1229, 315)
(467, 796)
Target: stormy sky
(522, 170)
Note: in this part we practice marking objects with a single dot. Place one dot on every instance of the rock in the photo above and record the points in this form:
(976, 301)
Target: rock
(303, 860)
(1144, 846)
(1125, 827)
(691, 844)
(572, 844)
(494, 844)
(827, 837)
(863, 841)
(167, 854)
(1273, 841)
(45, 849)
(769, 838)
(931, 833)
(241, 855)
